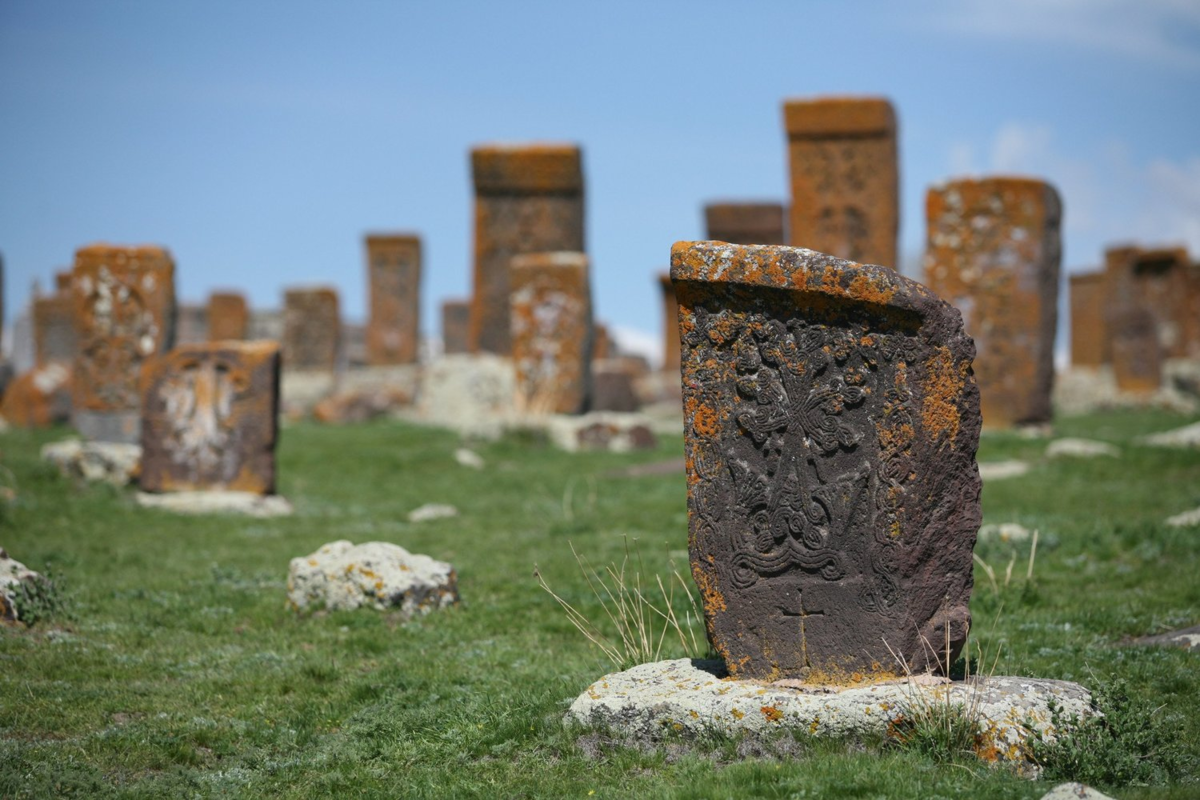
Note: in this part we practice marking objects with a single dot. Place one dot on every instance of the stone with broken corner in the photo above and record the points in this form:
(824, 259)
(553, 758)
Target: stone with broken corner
(341, 576)
(831, 424)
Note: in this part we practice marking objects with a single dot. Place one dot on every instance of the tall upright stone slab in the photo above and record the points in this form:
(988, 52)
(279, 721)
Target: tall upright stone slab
(670, 307)
(1157, 280)
(528, 199)
(394, 278)
(124, 307)
(210, 418)
(994, 252)
(1137, 352)
(1089, 334)
(456, 326)
(745, 223)
(312, 330)
(54, 336)
(551, 332)
(845, 182)
(831, 422)
(228, 317)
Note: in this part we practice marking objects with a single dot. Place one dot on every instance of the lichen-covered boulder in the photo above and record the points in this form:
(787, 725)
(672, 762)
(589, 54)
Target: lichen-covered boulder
(12, 574)
(117, 463)
(342, 576)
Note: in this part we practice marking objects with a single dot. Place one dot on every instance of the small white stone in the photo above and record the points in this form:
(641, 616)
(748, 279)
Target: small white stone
(1081, 448)
(1187, 436)
(217, 502)
(341, 576)
(1185, 520)
(1000, 470)
(12, 574)
(1074, 791)
(432, 511)
(110, 462)
(1005, 532)
(468, 458)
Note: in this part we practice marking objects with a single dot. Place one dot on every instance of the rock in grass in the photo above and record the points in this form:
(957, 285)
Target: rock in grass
(1187, 436)
(1005, 532)
(1185, 520)
(1186, 638)
(431, 511)
(693, 697)
(1000, 470)
(342, 576)
(1074, 791)
(110, 462)
(1081, 448)
(12, 575)
(250, 504)
(468, 458)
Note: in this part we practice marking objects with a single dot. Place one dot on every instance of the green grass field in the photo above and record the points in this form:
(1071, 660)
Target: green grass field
(179, 672)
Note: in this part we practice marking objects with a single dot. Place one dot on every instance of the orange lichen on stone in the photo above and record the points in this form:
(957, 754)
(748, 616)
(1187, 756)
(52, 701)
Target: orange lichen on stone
(772, 713)
(711, 597)
(943, 387)
(394, 278)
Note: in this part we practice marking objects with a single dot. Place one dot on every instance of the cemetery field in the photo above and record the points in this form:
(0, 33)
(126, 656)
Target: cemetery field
(175, 668)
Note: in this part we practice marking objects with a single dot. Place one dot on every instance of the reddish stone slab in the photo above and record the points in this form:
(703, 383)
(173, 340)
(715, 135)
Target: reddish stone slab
(670, 308)
(38, 398)
(1159, 280)
(1137, 353)
(745, 223)
(1089, 335)
(456, 326)
(394, 278)
(528, 199)
(831, 422)
(54, 337)
(845, 197)
(614, 385)
(210, 418)
(124, 309)
(228, 317)
(994, 252)
(551, 332)
(312, 329)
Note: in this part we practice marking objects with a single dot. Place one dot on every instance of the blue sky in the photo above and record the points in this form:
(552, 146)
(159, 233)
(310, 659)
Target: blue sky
(259, 141)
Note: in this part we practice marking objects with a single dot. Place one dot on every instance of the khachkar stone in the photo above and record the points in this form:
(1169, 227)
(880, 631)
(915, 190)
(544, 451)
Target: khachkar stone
(670, 324)
(994, 252)
(528, 199)
(1160, 281)
(394, 277)
(54, 338)
(456, 324)
(831, 422)
(845, 196)
(1089, 334)
(551, 332)
(311, 329)
(209, 421)
(745, 223)
(228, 317)
(124, 309)
(1137, 352)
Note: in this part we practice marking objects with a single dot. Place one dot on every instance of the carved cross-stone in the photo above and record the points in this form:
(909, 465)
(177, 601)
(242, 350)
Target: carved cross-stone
(312, 332)
(209, 419)
(994, 253)
(745, 223)
(845, 195)
(394, 278)
(228, 317)
(528, 199)
(456, 325)
(1090, 345)
(831, 423)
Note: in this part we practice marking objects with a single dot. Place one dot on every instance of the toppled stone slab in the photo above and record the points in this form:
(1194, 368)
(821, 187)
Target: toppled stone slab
(1185, 437)
(1074, 791)
(1005, 532)
(360, 405)
(250, 504)
(1185, 520)
(1186, 638)
(601, 430)
(342, 576)
(12, 574)
(109, 462)
(1000, 470)
(431, 511)
(1081, 448)
(694, 697)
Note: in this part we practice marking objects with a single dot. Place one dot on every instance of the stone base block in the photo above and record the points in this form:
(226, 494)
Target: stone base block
(110, 462)
(692, 697)
(472, 394)
(212, 502)
(600, 430)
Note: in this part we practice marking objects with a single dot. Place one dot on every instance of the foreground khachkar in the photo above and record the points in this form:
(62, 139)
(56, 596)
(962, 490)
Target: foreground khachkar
(831, 422)
(124, 306)
(528, 199)
(745, 223)
(311, 330)
(994, 252)
(551, 332)
(394, 278)
(845, 196)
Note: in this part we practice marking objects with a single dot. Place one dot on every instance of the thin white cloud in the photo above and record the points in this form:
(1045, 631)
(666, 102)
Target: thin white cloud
(638, 342)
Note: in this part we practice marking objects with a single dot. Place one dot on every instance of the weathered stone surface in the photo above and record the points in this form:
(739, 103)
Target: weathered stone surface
(528, 199)
(12, 574)
(394, 278)
(1137, 355)
(117, 463)
(342, 576)
(1000, 470)
(39, 398)
(1089, 334)
(1074, 791)
(994, 252)
(1187, 436)
(551, 332)
(124, 299)
(54, 337)
(1159, 281)
(456, 326)
(1185, 520)
(468, 458)
(472, 394)
(228, 317)
(670, 306)
(360, 405)
(432, 511)
(614, 386)
(210, 416)
(250, 504)
(845, 196)
(695, 697)
(602, 345)
(831, 423)
(191, 324)
(601, 430)
(1081, 448)
(745, 223)
(1186, 638)
(312, 330)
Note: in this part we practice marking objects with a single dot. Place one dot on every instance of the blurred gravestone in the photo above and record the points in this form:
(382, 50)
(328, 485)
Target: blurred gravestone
(312, 330)
(456, 323)
(745, 223)
(394, 276)
(228, 317)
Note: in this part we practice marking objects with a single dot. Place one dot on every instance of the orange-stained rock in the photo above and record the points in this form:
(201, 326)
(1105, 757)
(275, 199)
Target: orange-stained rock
(528, 199)
(831, 421)
(670, 307)
(210, 418)
(311, 329)
(745, 223)
(994, 252)
(39, 398)
(394, 278)
(54, 337)
(845, 196)
(551, 332)
(124, 309)
(1089, 334)
(228, 317)
(456, 326)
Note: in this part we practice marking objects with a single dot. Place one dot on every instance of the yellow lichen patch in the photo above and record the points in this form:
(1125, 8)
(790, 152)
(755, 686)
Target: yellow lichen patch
(710, 595)
(704, 421)
(736, 714)
(772, 713)
(864, 288)
(943, 386)
(694, 714)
